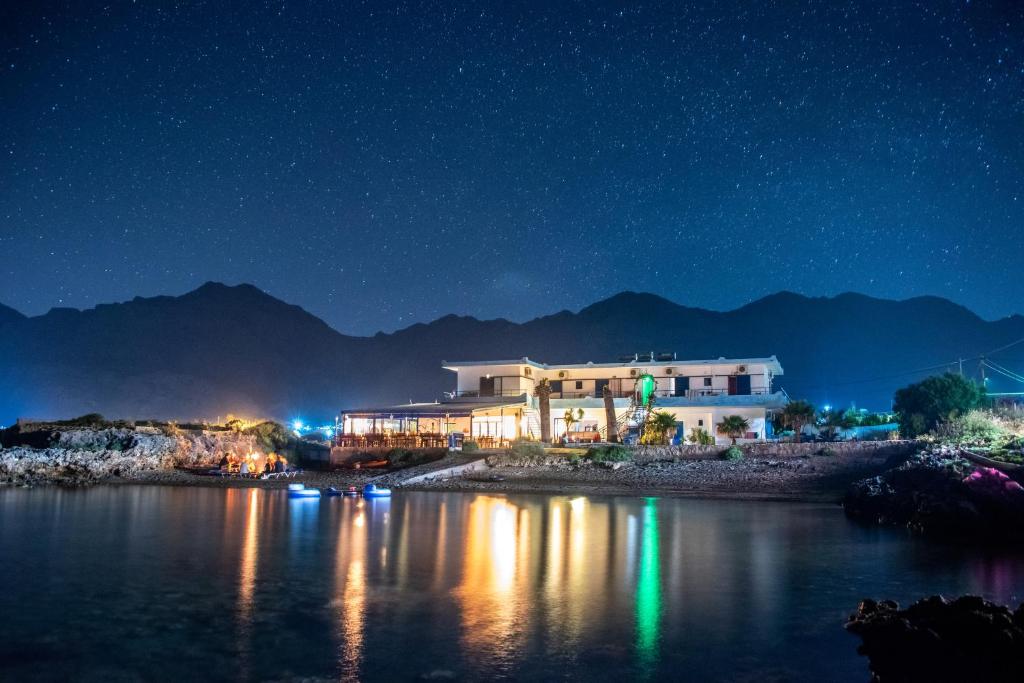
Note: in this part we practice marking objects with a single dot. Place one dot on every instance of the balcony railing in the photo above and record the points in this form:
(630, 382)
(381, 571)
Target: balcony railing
(665, 393)
(475, 393)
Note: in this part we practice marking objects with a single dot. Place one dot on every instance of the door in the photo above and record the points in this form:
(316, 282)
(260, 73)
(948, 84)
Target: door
(599, 386)
(680, 436)
(743, 385)
(487, 386)
(733, 385)
(682, 386)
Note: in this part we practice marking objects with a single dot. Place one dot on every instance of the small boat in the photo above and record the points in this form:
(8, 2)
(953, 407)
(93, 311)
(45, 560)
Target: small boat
(331, 491)
(300, 491)
(351, 492)
(371, 491)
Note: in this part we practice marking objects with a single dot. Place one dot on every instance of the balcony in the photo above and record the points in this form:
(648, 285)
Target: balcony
(690, 393)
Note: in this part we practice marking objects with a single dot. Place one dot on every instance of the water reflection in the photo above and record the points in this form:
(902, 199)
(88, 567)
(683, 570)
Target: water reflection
(495, 568)
(351, 573)
(648, 589)
(473, 587)
(247, 568)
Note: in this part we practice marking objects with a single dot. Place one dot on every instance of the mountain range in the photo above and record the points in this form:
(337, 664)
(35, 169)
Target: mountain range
(235, 349)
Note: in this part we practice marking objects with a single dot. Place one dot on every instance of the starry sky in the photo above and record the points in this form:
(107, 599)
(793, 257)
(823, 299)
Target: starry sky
(381, 164)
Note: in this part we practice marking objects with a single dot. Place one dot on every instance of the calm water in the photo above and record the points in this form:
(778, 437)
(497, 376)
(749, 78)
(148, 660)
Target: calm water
(147, 583)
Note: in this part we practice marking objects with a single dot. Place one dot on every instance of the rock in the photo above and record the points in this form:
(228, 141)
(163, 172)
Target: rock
(968, 639)
(76, 457)
(938, 493)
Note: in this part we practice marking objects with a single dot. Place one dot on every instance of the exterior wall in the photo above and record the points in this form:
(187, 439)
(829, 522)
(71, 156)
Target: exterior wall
(704, 417)
(514, 380)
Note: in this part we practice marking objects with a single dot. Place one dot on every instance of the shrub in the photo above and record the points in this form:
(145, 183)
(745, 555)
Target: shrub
(732, 454)
(612, 453)
(827, 451)
(976, 428)
(527, 450)
(701, 437)
(470, 446)
(403, 457)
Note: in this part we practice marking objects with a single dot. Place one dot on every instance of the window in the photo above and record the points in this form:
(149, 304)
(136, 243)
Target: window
(707, 381)
(579, 385)
(528, 372)
(700, 423)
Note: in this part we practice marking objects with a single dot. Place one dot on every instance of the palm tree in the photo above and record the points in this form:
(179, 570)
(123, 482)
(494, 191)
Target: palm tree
(543, 394)
(571, 419)
(796, 415)
(612, 425)
(733, 426)
(661, 424)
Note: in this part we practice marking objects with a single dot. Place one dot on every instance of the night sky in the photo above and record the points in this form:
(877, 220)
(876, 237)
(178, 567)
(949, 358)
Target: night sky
(382, 164)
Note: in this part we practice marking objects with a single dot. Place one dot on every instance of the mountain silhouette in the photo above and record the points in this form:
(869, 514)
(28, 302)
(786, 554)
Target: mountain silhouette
(235, 349)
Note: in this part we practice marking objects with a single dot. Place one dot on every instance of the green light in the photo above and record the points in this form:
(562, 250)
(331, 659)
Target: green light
(648, 590)
(645, 385)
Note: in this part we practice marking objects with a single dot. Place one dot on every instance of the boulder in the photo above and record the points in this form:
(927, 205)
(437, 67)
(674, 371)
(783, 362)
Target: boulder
(935, 640)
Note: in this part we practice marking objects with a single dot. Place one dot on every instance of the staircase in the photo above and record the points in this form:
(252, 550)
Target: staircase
(532, 430)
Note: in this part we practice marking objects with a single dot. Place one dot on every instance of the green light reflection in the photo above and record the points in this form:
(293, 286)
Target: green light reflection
(648, 590)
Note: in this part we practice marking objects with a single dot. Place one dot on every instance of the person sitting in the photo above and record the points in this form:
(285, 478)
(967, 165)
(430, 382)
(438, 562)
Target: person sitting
(279, 466)
(223, 464)
(267, 469)
(244, 468)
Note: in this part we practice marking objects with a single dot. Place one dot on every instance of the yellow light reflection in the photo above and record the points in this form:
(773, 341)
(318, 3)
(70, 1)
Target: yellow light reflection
(250, 550)
(350, 562)
(493, 590)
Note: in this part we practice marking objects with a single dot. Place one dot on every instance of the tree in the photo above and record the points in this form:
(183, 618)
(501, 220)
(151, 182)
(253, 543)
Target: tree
(543, 394)
(661, 424)
(611, 421)
(733, 426)
(834, 420)
(796, 415)
(922, 406)
(571, 419)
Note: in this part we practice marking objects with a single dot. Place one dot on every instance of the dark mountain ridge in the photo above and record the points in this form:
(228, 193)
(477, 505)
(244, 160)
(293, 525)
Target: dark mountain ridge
(221, 349)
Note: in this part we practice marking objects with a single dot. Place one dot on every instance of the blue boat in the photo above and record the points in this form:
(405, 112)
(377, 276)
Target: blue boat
(300, 491)
(371, 491)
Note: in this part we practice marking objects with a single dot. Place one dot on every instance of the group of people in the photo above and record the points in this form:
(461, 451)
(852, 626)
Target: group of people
(248, 466)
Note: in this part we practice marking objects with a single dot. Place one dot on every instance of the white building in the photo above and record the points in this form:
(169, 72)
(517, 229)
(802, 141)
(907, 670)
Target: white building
(496, 401)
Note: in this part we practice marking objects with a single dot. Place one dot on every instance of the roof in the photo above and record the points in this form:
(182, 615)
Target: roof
(426, 410)
(771, 361)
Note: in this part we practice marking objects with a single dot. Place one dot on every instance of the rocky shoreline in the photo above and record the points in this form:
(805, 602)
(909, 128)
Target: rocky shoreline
(939, 493)
(809, 476)
(935, 640)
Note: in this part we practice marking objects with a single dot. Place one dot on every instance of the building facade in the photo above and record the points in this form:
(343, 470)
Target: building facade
(496, 401)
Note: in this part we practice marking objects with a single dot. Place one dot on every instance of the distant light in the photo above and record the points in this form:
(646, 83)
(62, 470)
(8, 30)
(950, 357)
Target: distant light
(297, 425)
(828, 408)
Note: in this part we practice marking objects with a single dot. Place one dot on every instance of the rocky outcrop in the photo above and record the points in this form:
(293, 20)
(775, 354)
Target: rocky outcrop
(933, 640)
(83, 456)
(939, 493)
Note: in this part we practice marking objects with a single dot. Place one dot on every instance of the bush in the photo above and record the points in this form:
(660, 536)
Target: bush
(527, 450)
(470, 446)
(403, 457)
(613, 453)
(701, 437)
(732, 454)
(827, 451)
(976, 428)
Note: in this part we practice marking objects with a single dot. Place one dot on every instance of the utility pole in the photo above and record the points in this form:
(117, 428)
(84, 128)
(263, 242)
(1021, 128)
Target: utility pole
(961, 361)
(982, 366)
